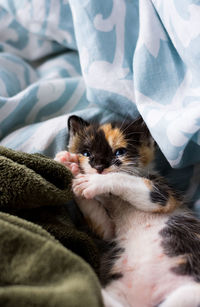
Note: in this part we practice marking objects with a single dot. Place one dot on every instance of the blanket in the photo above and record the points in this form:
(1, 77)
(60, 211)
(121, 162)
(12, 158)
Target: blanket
(38, 269)
(32, 179)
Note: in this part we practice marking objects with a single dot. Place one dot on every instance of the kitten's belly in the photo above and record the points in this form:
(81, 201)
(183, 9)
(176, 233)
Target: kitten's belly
(147, 276)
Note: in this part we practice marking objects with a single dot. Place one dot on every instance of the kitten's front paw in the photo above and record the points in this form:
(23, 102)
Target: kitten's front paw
(89, 186)
(69, 160)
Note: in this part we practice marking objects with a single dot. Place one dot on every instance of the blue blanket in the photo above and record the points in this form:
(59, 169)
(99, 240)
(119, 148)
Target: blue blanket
(103, 60)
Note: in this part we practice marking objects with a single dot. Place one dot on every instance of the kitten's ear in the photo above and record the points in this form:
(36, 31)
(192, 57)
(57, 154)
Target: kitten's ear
(76, 124)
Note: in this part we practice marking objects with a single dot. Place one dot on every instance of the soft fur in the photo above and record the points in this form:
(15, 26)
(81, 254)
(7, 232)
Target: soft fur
(153, 257)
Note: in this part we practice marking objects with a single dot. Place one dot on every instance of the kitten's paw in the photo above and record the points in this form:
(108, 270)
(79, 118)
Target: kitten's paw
(89, 186)
(69, 160)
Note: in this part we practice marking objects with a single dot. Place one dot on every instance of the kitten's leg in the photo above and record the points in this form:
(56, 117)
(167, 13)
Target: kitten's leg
(185, 296)
(94, 213)
(142, 193)
(69, 160)
(97, 218)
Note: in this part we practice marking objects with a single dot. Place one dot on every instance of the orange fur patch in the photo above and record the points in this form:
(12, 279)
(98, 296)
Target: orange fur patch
(146, 154)
(181, 260)
(73, 145)
(114, 136)
(84, 164)
(171, 205)
(148, 183)
(82, 159)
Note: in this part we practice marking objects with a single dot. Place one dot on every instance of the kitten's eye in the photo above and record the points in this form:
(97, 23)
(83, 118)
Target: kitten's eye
(120, 152)
(86, 153)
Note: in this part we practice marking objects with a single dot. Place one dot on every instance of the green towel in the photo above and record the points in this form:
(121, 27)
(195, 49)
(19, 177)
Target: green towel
(38, 269)
(31, 180)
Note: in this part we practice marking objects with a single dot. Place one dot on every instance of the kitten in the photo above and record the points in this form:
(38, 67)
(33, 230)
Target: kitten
(154, 258)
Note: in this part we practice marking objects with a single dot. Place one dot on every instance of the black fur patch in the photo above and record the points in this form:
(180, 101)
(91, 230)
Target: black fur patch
(116, 276)
(118, 162)
(110, 255)
(159, 194)
(162, 190)
(102, 154)
(181, 237)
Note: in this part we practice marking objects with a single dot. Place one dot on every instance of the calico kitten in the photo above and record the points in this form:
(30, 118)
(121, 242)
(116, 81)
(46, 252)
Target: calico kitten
(155, 254)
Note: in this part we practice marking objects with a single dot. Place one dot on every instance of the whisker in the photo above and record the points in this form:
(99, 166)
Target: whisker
(131, 123)
(124, 120)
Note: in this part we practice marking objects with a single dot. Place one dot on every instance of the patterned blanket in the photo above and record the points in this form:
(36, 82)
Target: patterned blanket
(103, 60)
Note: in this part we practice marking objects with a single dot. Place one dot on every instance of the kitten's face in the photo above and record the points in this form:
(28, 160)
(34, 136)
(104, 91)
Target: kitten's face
(115, 147)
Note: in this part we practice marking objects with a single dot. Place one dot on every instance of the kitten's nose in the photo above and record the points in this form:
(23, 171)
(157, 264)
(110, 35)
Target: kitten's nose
(99, 168)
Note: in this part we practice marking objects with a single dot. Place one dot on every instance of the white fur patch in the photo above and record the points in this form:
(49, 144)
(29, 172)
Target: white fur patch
(147, 278)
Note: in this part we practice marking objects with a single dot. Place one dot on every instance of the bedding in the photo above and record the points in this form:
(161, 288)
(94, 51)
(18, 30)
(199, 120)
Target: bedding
(38, 264)
(103, 60)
